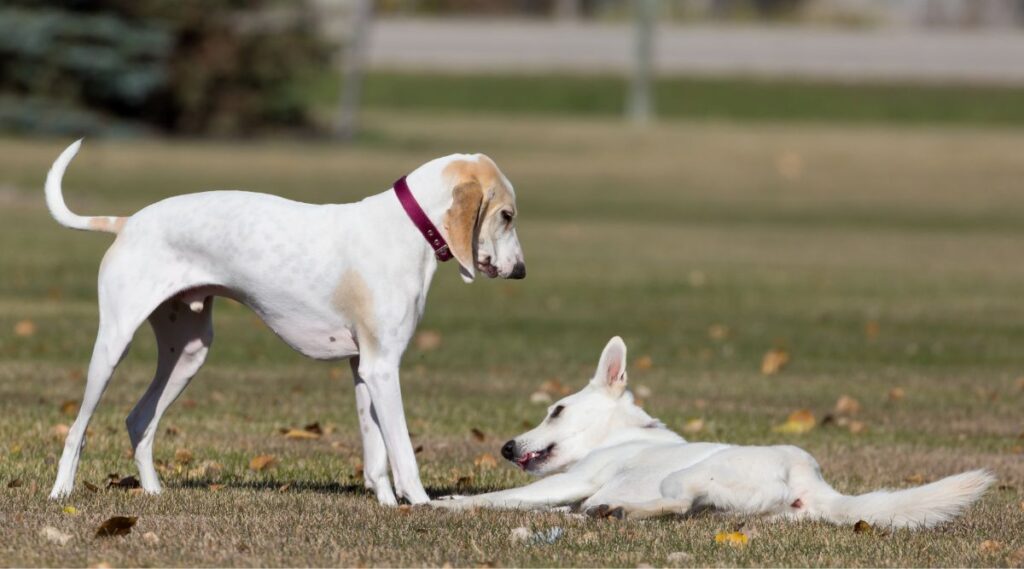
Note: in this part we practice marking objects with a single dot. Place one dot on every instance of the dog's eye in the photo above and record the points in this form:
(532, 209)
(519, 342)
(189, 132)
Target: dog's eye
(506, 215)
(556, 411)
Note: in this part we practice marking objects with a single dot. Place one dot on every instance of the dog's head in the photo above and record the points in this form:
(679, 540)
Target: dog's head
(581, 422)
(481, 222)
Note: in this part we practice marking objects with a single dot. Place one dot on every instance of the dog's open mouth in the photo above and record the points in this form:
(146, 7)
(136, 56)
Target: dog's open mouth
(533, 458)
(487, 268)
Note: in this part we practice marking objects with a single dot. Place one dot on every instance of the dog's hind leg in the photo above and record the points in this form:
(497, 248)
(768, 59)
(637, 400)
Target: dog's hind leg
(111, 345)
(183, 338)
(375, 454)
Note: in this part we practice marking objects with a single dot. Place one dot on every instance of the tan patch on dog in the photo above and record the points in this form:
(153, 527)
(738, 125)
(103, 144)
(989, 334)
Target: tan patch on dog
(107, 224)
(460, 222)
(479, 192)
(353, 298)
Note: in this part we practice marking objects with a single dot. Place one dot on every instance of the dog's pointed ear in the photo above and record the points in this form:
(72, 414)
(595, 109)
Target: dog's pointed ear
(462, 224)
(611, 369)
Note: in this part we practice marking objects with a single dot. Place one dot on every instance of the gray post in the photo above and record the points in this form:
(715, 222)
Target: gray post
(640, 106)
(353, 66)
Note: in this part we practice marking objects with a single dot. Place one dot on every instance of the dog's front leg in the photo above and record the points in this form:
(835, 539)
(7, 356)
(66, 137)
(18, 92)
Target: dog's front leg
(555, 490)
(375, 453)
(380, 375)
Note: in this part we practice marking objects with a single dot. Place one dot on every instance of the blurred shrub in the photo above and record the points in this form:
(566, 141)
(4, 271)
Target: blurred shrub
(188, 66)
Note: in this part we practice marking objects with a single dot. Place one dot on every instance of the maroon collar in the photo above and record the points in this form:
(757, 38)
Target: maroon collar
(421, 221)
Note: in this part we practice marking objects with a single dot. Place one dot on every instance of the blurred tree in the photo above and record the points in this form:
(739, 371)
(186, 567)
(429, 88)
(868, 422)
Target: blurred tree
(222, 67)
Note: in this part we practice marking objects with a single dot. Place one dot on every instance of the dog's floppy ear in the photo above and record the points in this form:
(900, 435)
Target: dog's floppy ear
(461, 223)
(611, 370)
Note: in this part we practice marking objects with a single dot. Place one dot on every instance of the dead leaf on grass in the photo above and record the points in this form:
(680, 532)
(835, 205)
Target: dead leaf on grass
(644, 363)
(299, 434)
(847, 405)
(871, 330)
(262, 462)
(314, 428)
(693, 426)
(69, 407)
(428, 340)
(897, 394)
(798, 423)
(990, 546)
(70, 510)
(478, 434)
(643, 392)
(183, 456)
(774, 361)
(126, 483)
(284, 487)
(718, 332)
(485, 461)
(59, 432)
(1016, 559)
(857, 427)
(90, 486)
(540, 397)
(117, 525)
(733, 538)
(24, 328)
(16, 483)
(555, 387)
(863, 527)
(215, 487)
(151, 538)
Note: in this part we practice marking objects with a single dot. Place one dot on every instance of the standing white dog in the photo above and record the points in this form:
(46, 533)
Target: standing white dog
(609, 457)
(333, 281)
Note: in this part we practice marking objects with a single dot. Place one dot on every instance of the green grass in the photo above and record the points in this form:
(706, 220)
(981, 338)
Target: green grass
(690, 97)
(798, 236)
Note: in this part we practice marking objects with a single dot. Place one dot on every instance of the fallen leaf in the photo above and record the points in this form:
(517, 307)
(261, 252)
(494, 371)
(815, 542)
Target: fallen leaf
(261, 462)
(405, 509)
(541, 397)
(897, 394)
(71, 510)
(643, 392)
(126, 483)
(69, 407)
(485, 461)
(60, 431)
(90, 486)
(314, 428)
(215, 487)
(336, 373)
(797, 423)
(871, 330)
(693, 426)
(172, 431)
(24, 328)
(990, 546)
(428, 340)
(1016, 559)
(206, 469)
(151, 538)
(915, 478)
(418, 449)
(16, 483)
(733, 538)
(847, 405)
(117, 525)
(300, 434)
(555, 388)
(718, 332)
(478, 434)
(183, 456)
(863, 527)
(774, 360)
(54, 535)
(644, 363)
(284, 487)
(857, 427)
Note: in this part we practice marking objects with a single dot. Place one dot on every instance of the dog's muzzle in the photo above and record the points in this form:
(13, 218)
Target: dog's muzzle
(518, 271)
(526, 459)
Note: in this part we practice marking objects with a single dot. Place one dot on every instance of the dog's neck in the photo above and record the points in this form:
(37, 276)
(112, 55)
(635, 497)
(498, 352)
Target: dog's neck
(635, 424)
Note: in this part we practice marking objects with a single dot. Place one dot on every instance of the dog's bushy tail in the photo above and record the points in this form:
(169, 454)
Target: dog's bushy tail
(55, 199)
(920, 507)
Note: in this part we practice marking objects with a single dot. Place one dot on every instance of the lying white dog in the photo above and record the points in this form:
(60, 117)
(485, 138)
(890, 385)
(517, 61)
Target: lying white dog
(606, 456)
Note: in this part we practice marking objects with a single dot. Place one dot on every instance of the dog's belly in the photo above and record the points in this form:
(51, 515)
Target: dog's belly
(321, 339)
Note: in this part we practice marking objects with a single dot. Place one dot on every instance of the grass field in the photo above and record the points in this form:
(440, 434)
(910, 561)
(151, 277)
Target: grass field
(879, 258)
(730, 98)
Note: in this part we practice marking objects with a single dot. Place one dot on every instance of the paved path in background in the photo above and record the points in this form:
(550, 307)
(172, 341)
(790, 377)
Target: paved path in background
(523, 46)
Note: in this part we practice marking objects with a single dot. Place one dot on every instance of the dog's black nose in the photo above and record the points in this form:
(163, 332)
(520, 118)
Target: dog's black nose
(518, 271)
(509, 450)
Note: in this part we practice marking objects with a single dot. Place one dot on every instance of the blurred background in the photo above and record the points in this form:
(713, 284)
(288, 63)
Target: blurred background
(788, 208)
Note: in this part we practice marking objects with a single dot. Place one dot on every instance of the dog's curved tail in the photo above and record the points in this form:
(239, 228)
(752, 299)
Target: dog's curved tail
(920, 507)
(59, 210)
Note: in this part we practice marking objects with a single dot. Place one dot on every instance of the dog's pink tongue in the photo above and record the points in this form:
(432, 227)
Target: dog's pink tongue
(525, 459)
